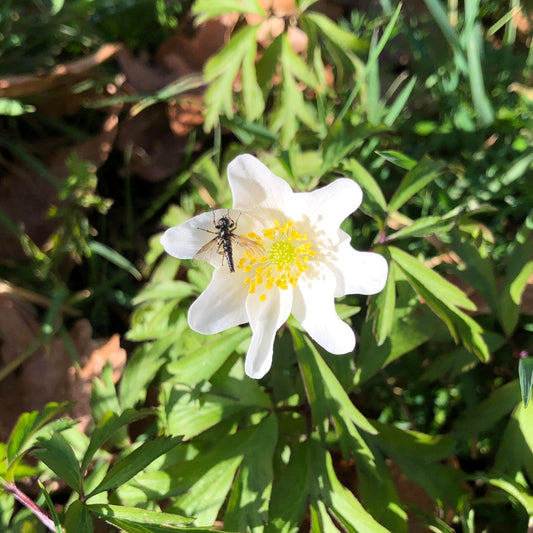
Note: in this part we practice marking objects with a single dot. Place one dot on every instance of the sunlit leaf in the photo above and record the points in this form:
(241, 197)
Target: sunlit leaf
(11, 107)
(59, 456)
(206, 9)
(249, 500)
(127, 467)
(423, 173)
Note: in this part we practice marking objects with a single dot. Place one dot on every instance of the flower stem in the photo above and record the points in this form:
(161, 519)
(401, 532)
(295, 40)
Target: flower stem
(29, 504)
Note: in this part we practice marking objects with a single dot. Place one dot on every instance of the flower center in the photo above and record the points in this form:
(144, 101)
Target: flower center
(286, 255)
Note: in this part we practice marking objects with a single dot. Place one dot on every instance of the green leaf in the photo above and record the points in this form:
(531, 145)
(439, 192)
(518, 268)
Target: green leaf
(289, 493)
(374, 202)
(412, 326)
(254, 103)
(423, 173)
(484, 416)
(221, 70)
(443, 298)
(267, 65)
(78, 519)
(190, 414)
(57, 454)
(416, 454)
(333, 32)
(104, 399)
(126, 468)
(378, 495)
(207, 9)
(7, 506)
(248, 506)
(164, 290)
(341, 140)
(384, 304)
(373, 58)
(206, 480)
(525, 375)
(397, 107)
(519, 269)
(13, 108)
(397, 158)
(325, 394)
(51, 508)
(141, 369)
(431, 280)
(426, 448)
(480, 98)
(520, 494)
(479, 272)
(422, 227)
(26, 430)
(291, 106)
(201, 364)
(106, 428)
(26, 427)
(114, 257)
(339, 501)
(113, 513)
(373, 103)
(441, 18)
(518, 168)
(184, 84)
(296, 65)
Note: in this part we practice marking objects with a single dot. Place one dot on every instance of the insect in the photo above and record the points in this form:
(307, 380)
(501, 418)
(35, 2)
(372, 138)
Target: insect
(223, 243)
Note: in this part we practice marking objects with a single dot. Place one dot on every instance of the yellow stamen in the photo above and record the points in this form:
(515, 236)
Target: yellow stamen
(287, 253)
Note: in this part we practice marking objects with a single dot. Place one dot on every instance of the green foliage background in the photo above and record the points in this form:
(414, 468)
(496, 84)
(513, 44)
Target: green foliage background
(436, 389)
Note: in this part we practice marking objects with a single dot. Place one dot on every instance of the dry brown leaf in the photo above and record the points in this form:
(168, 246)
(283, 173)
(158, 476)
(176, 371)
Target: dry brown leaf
(156, 151)
(100, 353)
(178, 56)
(191, 52)
(104, 351)
(157, 136)
(184, 116)
(54, 88)
(49, 374)
(41, 378)
(280, 8)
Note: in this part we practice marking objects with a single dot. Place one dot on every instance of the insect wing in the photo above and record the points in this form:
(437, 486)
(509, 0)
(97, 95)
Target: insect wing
(248, 245)
(210, 252)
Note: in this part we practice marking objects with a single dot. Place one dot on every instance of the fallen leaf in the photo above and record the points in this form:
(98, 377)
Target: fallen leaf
(101, 352)
(55, 88)
(157, 136)
(49, 373)
(185, 115)
(156, 151)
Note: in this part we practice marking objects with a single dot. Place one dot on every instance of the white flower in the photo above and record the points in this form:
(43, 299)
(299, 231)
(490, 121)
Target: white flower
(301, 261)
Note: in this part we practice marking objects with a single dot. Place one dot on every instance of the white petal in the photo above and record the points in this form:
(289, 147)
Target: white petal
(327, 207)
(359, 272)
(254, 186)
(265, 319)
(314, 308)
(185, 240)
(221, 305)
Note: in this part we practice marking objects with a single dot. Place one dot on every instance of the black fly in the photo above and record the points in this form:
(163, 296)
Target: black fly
(223, 243)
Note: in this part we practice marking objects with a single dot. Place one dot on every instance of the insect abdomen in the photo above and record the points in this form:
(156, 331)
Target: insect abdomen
(228, 252)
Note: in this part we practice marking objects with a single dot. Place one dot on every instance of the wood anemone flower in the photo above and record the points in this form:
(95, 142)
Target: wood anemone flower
(289, 256)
